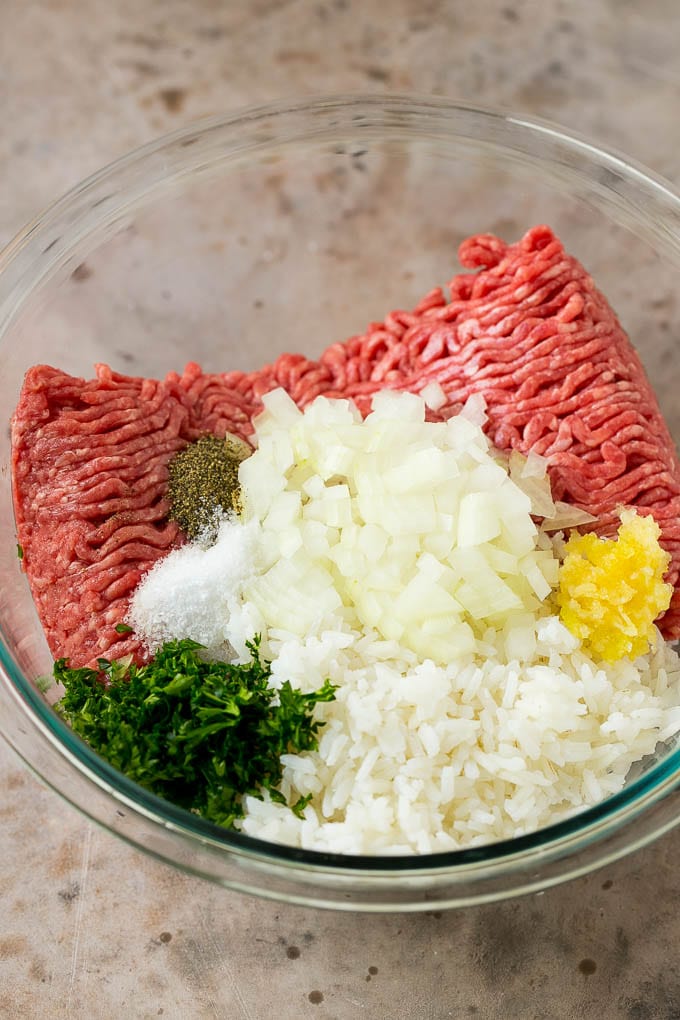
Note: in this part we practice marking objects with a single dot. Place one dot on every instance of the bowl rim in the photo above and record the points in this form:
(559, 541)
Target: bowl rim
(38, 229)
(46, 242)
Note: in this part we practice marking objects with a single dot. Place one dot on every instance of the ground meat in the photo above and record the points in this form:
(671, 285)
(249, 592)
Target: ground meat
(528, 329)
(89, 463)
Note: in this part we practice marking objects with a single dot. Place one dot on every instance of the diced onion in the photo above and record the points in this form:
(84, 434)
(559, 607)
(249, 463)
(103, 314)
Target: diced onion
(417, 531)
(567, 516)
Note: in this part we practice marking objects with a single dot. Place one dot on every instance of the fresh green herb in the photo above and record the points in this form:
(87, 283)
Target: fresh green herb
(200, 734)
(20, 551)
(300, 804)
(122, 628)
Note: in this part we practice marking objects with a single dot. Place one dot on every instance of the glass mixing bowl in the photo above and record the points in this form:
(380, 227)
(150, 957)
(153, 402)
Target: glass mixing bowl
(288, 227)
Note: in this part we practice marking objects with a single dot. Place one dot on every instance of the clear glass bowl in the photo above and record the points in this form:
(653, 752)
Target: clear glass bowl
(289, 227)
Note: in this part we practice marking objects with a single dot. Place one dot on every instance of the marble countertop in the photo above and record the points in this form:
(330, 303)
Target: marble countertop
(90, 928)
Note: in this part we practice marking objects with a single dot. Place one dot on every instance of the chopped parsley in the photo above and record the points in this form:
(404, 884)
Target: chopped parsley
(122, 628)
(199, 734)
(20, 551)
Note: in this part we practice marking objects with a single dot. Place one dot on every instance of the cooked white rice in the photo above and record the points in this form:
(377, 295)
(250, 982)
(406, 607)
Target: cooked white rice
(421, 758)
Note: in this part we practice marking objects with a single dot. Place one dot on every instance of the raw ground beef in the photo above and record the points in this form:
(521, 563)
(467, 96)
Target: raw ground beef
(529, 330)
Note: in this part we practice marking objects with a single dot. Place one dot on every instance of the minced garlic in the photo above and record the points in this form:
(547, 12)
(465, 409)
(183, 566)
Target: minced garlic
(611, 591)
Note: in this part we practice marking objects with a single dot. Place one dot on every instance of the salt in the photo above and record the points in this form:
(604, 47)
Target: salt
(192, 591)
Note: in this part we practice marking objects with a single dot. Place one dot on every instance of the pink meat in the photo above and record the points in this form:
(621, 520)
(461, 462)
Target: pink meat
(89, 462)
(528, 330)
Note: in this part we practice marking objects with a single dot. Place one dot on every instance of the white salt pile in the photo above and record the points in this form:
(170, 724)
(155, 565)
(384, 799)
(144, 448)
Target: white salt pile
(195, 591)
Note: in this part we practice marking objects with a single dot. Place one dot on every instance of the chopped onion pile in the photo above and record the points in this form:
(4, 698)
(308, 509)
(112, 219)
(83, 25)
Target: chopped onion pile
(407, 527)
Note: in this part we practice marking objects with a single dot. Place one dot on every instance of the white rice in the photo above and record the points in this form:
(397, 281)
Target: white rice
(419, 758)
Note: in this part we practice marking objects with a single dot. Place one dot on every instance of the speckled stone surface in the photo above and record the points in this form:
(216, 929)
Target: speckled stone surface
(90, 928)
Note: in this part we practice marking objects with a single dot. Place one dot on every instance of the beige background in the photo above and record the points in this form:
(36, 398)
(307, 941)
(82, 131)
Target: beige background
(92, 929)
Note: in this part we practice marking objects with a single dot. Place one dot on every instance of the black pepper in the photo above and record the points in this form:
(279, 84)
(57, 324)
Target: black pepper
(203, 483)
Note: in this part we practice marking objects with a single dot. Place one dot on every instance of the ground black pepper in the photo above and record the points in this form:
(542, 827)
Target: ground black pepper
(203, 482)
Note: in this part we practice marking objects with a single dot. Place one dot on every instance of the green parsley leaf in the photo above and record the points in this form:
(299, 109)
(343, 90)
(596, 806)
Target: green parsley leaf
(300, 804)
(122, 628)
(20, 551)
(200, 734)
